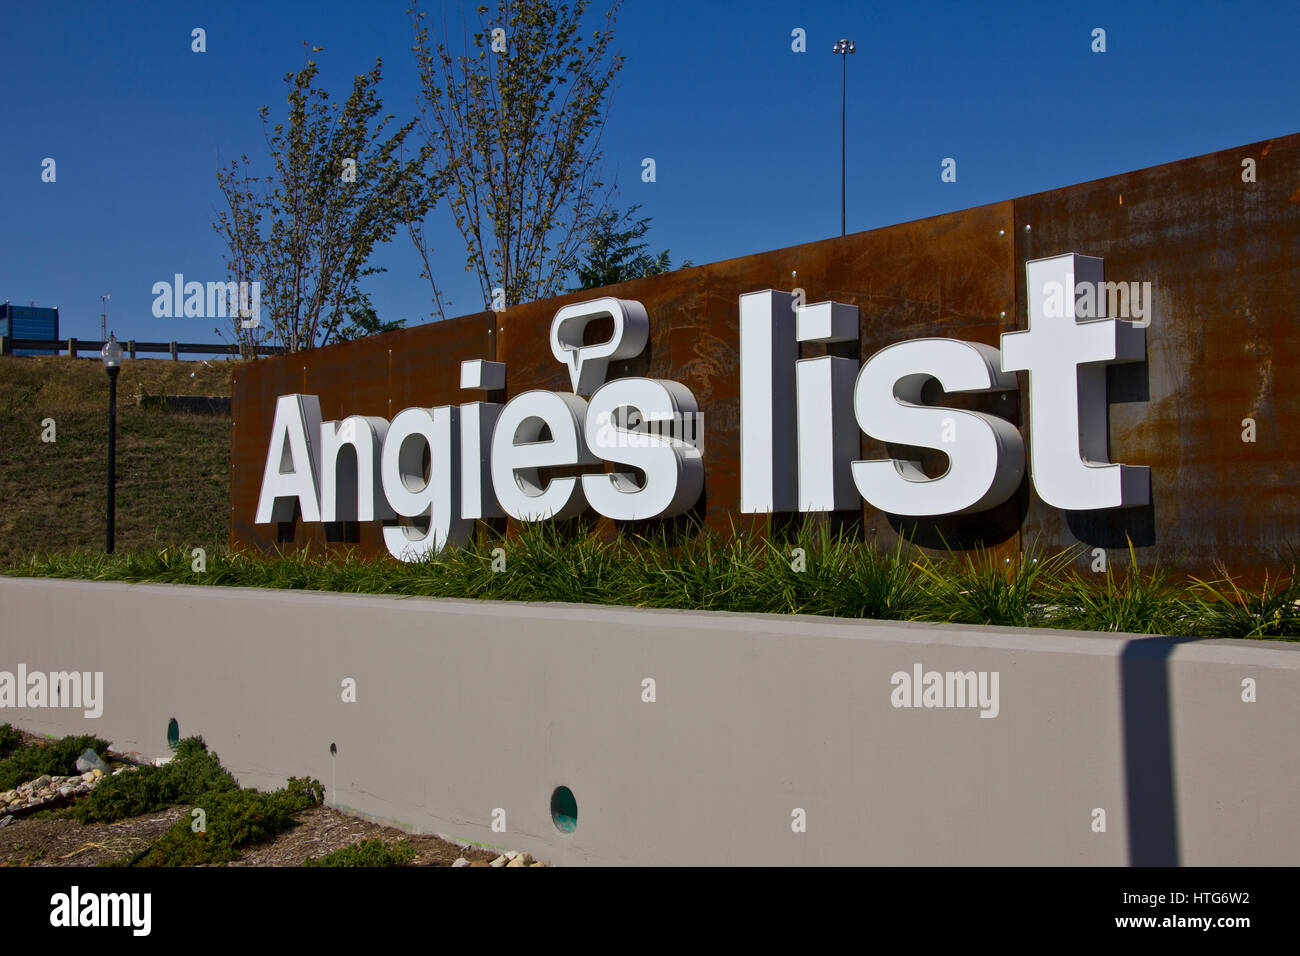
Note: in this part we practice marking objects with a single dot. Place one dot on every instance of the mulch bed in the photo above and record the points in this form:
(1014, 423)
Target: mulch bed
(59, 840)
(51, 837)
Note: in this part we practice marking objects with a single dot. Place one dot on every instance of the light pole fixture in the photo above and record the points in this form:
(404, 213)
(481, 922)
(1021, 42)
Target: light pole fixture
(843, 48)
(112, 356)
(103, 319)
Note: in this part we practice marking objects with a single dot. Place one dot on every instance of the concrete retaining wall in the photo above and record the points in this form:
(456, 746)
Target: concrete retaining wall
(466, 707)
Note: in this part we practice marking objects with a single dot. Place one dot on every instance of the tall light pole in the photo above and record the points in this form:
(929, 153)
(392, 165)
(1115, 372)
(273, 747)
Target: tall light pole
(112, 356)
(843, 48)
(103, 319)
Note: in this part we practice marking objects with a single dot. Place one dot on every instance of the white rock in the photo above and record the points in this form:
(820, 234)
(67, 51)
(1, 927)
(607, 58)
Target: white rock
(461, 861)
(499, 861)
(89, 760)
(511, 854)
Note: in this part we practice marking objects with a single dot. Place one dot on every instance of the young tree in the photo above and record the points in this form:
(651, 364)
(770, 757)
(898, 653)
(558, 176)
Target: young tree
(514, 122)
(362, 321)
(306, 230)
(614, 253)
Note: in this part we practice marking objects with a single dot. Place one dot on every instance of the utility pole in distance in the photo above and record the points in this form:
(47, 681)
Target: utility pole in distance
(843, 48)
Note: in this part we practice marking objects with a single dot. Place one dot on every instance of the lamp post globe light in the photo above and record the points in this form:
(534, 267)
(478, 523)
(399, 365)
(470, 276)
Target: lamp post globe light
(843, 48)
(112, 356)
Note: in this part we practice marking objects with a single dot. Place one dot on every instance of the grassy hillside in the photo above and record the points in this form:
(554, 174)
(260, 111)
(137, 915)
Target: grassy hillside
(173, 470)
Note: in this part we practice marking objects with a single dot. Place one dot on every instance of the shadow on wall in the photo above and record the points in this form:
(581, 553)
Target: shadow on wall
(963, 532)
(1147, 720)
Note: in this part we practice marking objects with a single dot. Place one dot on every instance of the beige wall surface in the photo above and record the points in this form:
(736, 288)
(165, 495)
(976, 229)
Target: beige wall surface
(464, 708)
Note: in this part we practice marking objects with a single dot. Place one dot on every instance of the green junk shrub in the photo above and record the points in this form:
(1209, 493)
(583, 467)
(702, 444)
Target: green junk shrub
(10, 740)
(58, 758)
(231, 821)
(191, 774)
(367, 853)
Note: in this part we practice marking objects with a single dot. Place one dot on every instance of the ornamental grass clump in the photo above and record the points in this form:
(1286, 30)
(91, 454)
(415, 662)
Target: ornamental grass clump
(1129, 600)
(1223, 609)
(777, 567)
(984, 588)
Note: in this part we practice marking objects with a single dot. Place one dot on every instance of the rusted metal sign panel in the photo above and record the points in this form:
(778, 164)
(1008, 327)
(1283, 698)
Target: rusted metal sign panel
(379, 375)
(1220, 254)
(1223, 346)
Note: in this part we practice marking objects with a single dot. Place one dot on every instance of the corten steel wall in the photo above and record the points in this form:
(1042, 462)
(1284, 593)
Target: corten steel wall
(1221, 255)
(1223, 345)
(380, 375)
(463, 707)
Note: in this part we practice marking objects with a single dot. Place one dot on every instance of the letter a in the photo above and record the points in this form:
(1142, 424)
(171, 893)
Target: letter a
(292, 461)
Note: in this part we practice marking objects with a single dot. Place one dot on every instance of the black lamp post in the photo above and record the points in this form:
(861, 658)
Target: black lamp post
(112, 356)
(843, 48)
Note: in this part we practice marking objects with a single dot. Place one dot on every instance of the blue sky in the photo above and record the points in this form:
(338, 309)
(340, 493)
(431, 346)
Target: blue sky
(744, 132)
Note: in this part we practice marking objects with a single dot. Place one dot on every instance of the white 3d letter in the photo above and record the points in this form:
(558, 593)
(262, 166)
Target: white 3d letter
(517, 453)
(477, 499)
(768, 351)
(292, 461)
(828, 439)
(410, 494)
(357, 493)
(674, 472)
(986, 456)
(1066, 361)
